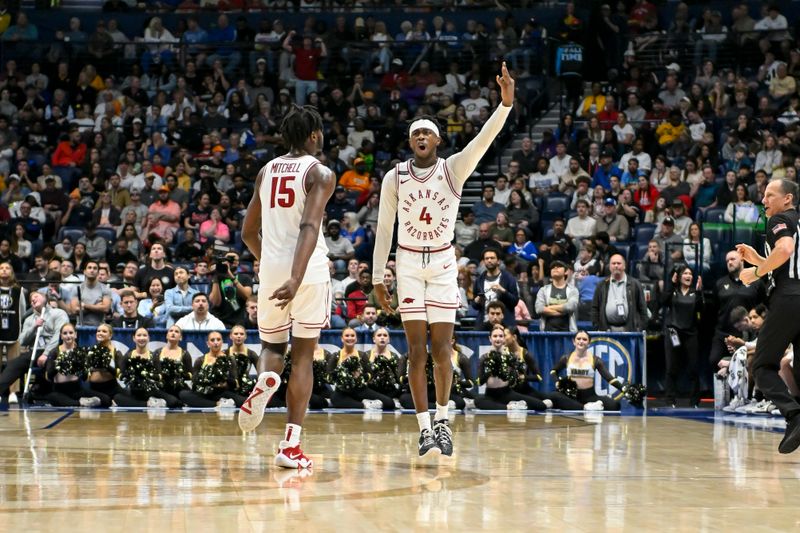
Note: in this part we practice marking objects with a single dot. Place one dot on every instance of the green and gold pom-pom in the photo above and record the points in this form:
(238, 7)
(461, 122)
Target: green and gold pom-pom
(320, 374)
(349, 375)
(71, 362)
(567, 387)
(140, 375)
(384, 375)
(214, 376)
(173, 374)
(98, 357)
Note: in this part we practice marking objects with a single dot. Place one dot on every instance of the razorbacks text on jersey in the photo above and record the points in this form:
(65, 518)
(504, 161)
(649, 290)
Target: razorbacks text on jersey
(283, 199)
(427, 205)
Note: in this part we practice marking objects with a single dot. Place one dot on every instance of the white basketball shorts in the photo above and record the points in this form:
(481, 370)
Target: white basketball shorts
(427, 284)
(306, 314)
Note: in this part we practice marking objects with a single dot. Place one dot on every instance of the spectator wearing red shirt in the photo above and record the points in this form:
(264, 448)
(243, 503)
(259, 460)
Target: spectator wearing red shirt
(645, 195)
(643, 17)
(395, 78)
(306, 64)
(68, 158)
(608, 116)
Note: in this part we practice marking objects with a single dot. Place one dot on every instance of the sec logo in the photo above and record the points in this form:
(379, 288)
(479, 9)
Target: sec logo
(618, 361)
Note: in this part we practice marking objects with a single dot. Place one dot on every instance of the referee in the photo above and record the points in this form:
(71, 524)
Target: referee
(781, 326)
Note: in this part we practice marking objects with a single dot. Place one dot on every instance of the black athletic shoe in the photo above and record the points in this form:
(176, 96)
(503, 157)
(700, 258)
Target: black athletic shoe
(791, 439)
(427, 444)
(444, 437)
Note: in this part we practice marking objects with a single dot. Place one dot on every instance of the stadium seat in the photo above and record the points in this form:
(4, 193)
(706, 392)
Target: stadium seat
(744, 234)
(719, 234)
(642, 233)
(715, 215)
(108, 234)
(624, 250)
(73, 233)
(555, 206)
(640, 250)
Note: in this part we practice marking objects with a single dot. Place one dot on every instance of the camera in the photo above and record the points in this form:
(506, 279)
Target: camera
(222, 261)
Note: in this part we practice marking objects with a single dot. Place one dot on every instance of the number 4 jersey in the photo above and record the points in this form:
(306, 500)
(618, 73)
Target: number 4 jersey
(427, 205)
(283, 199)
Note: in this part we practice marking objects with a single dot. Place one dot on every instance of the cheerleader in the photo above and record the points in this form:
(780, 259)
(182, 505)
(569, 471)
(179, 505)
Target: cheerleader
(320, 392)
(528, 367)
(213, 378)
(65, 367)
(384, 366)
(139, 371)
(245, 358)
(350, 373)
(174, 363)
(102, 360)
(581, 368)
(500, 372)
(462, 381)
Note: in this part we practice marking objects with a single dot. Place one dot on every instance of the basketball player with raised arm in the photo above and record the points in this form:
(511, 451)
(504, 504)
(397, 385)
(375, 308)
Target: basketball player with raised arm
(424, 193)
(290, 196)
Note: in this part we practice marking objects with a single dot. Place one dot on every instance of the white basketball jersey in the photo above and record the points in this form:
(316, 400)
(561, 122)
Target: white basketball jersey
(283, 198)
(427, 205)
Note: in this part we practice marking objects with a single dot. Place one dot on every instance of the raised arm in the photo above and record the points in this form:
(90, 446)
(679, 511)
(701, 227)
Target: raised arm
(464, 163)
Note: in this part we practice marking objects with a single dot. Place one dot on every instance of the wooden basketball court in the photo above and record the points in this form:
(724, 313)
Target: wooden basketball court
(102, 471)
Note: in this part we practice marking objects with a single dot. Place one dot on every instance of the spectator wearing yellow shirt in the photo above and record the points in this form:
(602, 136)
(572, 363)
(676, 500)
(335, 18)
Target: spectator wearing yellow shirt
(782, 85)
(672, 133)
(356, 179)
(592, 104)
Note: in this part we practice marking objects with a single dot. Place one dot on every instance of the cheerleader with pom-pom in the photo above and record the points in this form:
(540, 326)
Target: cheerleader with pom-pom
(214, 378)
(463, 381)
(139, 371)
(320, 392)
(384, 366)
(245, 358)
(102, 362)
(528, 367)
(350, 374)
(65, 368)
(174, 363)
(500, 372)
(581, 367)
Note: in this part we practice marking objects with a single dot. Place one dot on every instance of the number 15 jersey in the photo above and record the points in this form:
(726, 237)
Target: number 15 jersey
(283, 199)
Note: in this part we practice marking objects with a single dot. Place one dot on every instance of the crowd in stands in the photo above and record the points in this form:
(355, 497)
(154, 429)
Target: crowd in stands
(123, 194)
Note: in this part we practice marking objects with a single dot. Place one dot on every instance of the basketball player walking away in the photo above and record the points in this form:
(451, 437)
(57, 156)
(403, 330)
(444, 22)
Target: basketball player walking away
(781, 326)
(424, 193)
(287, 209)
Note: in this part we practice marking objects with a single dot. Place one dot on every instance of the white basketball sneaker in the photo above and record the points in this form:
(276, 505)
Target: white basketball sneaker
(251, 413)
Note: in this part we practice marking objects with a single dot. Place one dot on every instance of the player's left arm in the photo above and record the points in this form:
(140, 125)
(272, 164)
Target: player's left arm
(251, 225)
(462, 164)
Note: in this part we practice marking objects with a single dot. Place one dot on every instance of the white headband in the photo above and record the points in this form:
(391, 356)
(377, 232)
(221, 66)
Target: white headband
(423, 124)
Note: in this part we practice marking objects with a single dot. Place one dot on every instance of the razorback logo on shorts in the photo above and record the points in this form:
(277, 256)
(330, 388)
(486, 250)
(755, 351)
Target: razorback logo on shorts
(408, 300)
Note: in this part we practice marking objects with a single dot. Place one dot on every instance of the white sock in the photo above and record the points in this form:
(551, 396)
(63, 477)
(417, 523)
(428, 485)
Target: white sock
(424, 421)
(292, 437)
(441, 412)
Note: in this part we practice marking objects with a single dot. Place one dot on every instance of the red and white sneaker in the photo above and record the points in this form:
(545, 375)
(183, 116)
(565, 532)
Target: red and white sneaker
(292, 457)
(251, 413)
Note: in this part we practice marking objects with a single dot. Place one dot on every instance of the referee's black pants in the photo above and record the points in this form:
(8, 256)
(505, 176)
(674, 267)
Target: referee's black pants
(780, 328)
